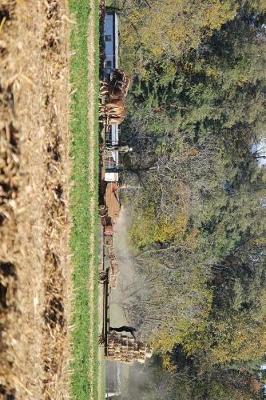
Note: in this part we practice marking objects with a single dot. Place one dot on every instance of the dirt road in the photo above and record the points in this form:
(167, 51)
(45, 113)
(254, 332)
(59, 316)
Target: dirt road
(120, 296)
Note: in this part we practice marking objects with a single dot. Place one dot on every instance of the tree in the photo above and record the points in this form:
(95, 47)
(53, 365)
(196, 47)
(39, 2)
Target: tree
(196, 106)
(174, 28)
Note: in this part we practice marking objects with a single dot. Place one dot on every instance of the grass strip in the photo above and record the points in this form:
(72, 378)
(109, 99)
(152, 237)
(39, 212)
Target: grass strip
(96, 369)
(84, 220)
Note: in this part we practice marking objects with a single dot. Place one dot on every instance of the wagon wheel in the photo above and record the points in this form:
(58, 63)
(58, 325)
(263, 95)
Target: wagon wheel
(103, 276)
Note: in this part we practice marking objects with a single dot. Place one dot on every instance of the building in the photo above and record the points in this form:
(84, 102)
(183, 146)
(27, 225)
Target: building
(111, 45)
(111, 42)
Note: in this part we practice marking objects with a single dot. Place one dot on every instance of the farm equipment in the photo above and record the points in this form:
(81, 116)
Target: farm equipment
(109, 212)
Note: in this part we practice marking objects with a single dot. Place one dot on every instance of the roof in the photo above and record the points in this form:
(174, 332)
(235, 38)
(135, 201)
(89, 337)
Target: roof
(111, 47)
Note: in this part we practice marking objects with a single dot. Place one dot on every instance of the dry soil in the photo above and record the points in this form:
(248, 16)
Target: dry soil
(35, 284)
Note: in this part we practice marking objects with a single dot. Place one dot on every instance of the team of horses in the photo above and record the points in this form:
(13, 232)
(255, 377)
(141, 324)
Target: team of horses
(113, 92)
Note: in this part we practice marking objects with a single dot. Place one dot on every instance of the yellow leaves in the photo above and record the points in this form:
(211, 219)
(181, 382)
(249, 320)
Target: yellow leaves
(175, 26)
(186, 330)
(168, 230)
(173, 332)
(167, 364)
(183, 332)
(143, 228)
(157, 51)
(163, 341)
(146, 229)
(217, 13)
(212, 72)
(187, 67)
(238, 338)
(176, 231)
(242, 80)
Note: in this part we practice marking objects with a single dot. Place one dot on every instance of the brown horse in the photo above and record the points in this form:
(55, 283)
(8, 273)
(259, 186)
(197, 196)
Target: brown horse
(113, 93)
(114, 111)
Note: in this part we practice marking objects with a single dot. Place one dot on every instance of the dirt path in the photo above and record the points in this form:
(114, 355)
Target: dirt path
(126, 284)
(126, 281)
(93, 207)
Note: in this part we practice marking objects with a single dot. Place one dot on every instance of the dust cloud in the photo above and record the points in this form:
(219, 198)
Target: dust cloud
(123, 378)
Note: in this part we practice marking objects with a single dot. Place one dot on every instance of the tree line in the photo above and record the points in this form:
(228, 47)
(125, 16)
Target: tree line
(195, 109)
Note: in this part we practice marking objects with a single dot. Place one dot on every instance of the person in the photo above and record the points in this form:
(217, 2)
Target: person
(124, 328)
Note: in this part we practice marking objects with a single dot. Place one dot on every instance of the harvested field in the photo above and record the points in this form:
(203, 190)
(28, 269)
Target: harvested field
(35, 273)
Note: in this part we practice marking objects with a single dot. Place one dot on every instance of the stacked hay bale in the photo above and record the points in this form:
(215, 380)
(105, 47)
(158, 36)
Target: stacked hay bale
(126, 349)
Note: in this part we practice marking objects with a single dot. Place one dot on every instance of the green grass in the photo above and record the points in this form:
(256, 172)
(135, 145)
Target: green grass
(96, 216)
(84, 221)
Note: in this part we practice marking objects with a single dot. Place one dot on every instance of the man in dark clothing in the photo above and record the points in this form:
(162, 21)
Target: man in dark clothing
(123, 328)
